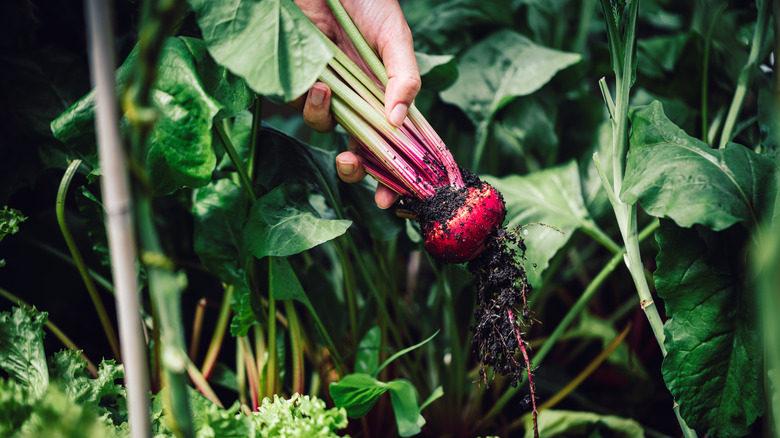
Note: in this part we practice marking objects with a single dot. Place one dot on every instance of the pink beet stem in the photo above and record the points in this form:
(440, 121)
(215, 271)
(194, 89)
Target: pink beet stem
(527, 367)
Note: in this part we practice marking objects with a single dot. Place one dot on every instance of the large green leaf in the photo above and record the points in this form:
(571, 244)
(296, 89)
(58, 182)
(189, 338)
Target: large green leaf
(437, 71)
(675, 175)
(713, 366)
(552, 197)
(582, 424)
(357, 393)
(498, 69)
(282, 223)
(444, 29)
(269, 43)
(190, 92)
(21, 348)
(219, 215)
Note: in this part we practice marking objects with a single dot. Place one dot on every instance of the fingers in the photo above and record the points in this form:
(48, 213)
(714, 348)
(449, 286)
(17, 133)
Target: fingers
(316, 110)
(396, 49)
(349, 167)
(384, 197)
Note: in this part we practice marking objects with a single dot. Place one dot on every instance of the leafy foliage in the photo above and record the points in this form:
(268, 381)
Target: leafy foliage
(567, 423)
(271, 43)
(9, 221)
(714, 349)
(674, 175)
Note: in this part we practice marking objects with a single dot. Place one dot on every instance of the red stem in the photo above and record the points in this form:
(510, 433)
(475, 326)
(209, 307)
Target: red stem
(527, 367)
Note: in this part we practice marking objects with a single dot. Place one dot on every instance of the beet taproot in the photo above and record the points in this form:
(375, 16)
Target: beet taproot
(461, 231)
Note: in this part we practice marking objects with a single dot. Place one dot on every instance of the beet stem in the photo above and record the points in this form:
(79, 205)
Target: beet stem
(527, 367)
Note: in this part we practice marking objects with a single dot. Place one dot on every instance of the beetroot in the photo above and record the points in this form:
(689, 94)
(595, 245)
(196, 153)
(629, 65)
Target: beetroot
(472, 215)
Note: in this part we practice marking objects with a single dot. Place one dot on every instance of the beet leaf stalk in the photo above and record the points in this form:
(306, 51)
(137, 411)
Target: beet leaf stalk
(460, 216)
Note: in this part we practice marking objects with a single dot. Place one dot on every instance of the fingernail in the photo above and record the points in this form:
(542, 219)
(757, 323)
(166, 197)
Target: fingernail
(398, 114)
(317, 95)
(345, 167)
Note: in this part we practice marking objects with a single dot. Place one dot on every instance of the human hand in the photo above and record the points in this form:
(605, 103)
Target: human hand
(384, 27)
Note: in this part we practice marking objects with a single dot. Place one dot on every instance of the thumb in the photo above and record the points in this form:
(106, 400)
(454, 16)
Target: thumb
(404, 82)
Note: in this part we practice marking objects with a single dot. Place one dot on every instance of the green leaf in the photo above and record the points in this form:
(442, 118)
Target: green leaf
(9, 221)
(398, 354)
(552, 197)
(284, 282)
(190, 92)
(219, 215)
(437, 71)
(101, 395)
(357, 393)
(229, 90)
(55, 415)
(21, 348)
(501, 67)
(367, 355)
(713, 367)
(674, 175)
(403, 397)
(285, 159)
(584, 424)
(297, 417)
(445, 28)
(281, 224)
(16, 406)
(269, 43)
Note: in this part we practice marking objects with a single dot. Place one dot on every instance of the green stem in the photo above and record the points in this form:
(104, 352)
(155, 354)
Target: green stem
(271, 366)
(105, 321)
(219, 333)
(59, 334)
(296, 347)
(202, 385)
(705, 72)
(366, 52)
(246, 182)
(251, 370)
(746, 74)
(573, 312)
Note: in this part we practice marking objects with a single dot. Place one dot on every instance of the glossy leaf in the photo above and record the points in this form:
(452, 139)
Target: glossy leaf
(269, 43)
(357, 393)
(219, 216)
(500, 68)
(281, 224)
(552, 197)
(713, 367)
(367, 355)
(584, 424)
(403, 397)
(674, 175)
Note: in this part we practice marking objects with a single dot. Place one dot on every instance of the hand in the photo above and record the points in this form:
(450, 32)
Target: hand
(384, 27)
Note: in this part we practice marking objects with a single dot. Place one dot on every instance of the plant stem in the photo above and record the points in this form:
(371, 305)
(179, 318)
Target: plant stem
(254, 136)
(705, 72)
(59, 334)
(296, 347)
(625, 214)
(219, 333)
(366, 52)
(271, 366)
(251, 370)
(202, 385)
(197, 328)
(165, 285)
(119, 225)
(746, 74)
(246, 182)
(105, 321)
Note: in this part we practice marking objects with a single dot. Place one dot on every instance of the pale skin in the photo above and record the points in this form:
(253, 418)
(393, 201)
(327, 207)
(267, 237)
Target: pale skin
(384, 27)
